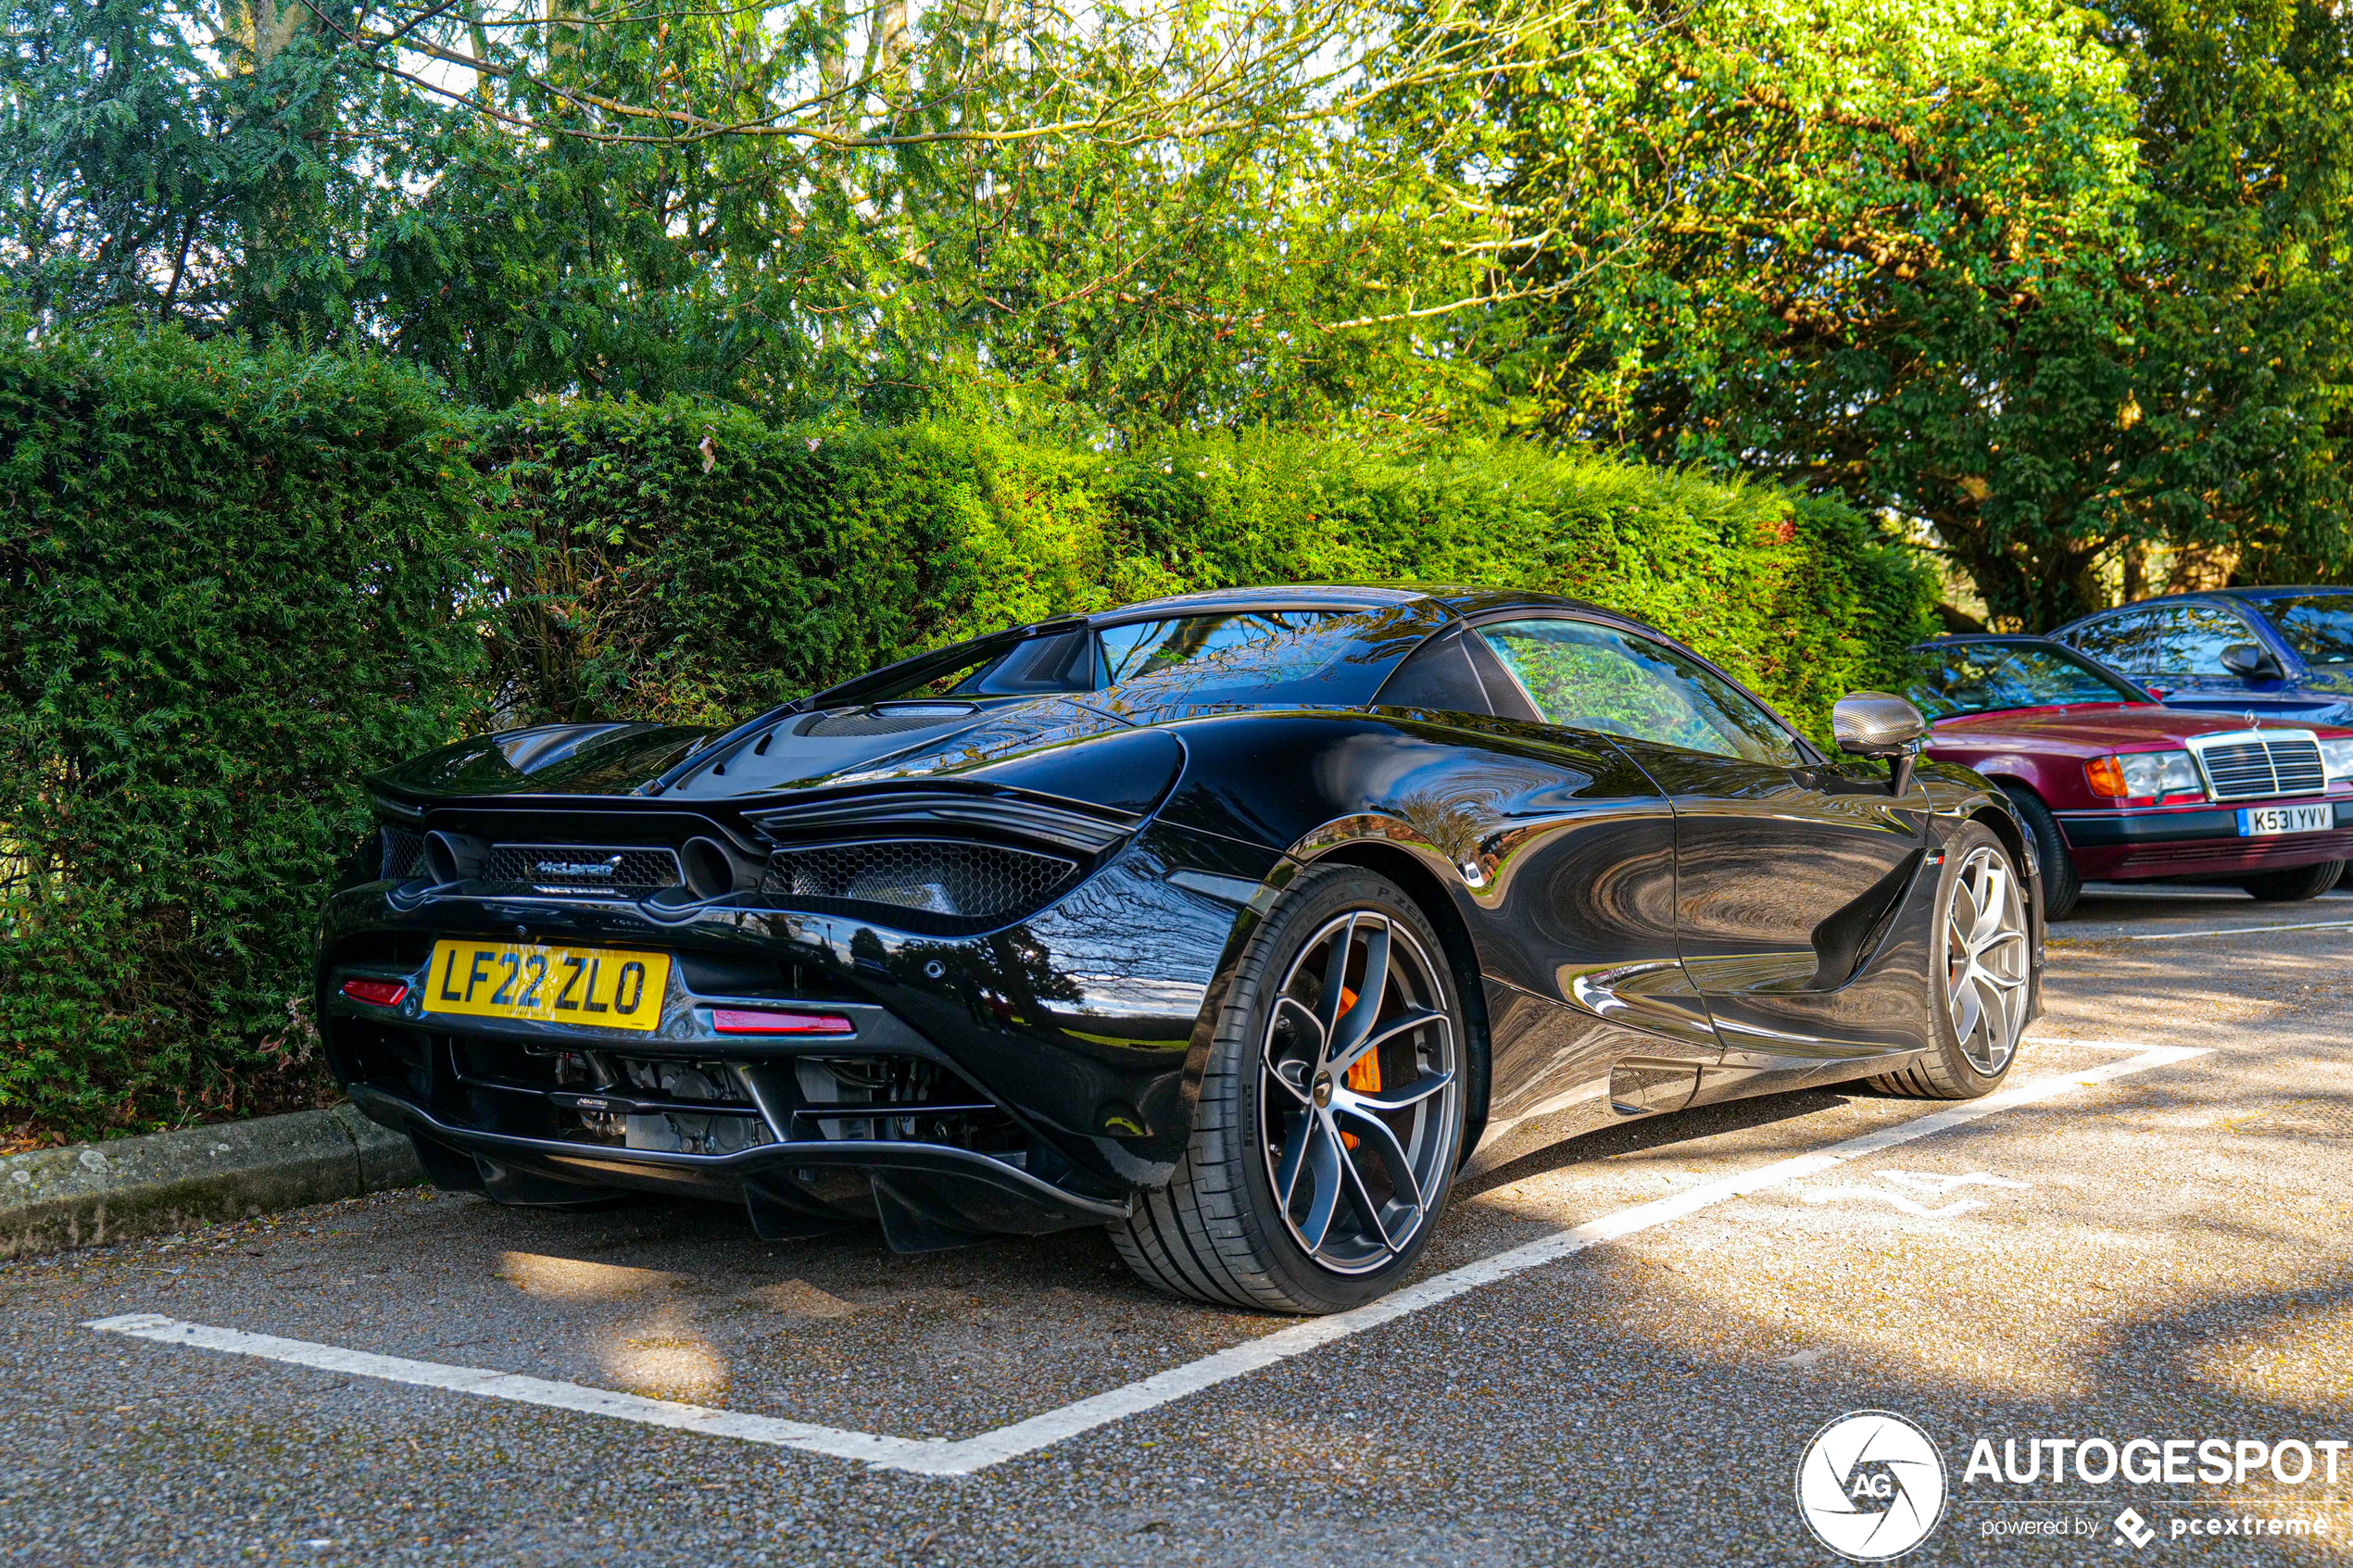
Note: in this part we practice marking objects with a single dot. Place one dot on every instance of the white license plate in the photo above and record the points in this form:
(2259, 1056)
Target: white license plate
(2268, 821)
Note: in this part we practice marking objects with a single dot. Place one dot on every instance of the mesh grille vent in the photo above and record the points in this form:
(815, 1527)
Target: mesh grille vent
(954, 880)
(569, 867)
(2251, 770)
(403, 854)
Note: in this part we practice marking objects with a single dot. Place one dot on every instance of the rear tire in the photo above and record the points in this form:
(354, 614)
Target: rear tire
(2061, 887)
(1330, 1116)
(2293, 887)
(1980, 974)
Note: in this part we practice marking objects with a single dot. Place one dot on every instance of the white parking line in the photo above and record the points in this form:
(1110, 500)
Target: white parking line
(2218, 931)
(964, 1456)
(1933, 1183)
(1895, 1201)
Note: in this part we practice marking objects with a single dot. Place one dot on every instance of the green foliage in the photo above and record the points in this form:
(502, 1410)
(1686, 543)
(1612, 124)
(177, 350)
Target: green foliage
(1897, 277)
(2242, 363)
(685, 561)
(228, 587)
(638, 583)
(2066, 290)
(250, 180)
(1802, 599)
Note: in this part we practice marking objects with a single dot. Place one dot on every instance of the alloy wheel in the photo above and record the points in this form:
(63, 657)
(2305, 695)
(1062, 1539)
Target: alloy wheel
(1358, 1097)
(1985, 960)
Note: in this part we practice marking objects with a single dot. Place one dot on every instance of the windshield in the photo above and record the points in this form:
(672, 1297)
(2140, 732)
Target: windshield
(1950, 678)
(2319, 626)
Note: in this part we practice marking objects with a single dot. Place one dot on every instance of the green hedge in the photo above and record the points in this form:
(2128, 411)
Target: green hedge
(686, 563)
(672, 562)
(229, 584)
(235, 582)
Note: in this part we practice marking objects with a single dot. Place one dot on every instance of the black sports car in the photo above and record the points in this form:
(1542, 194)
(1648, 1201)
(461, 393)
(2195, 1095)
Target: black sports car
(1234, 923)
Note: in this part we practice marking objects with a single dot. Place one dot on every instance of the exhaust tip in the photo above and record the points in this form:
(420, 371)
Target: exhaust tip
(708, 868)
(454, 857)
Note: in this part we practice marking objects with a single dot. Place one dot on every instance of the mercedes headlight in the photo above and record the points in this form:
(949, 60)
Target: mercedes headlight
(2336, 756)
(2145, 775)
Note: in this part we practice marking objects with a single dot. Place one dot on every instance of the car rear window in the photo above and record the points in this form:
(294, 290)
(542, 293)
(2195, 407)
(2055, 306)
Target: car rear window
(2319, 626)
(1310, 657)
(1305, 656)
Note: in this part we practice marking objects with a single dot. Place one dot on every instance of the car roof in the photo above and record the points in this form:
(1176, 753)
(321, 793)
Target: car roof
(2222, 596)
(1443, 602)
(2281, 591)
(1950, 637)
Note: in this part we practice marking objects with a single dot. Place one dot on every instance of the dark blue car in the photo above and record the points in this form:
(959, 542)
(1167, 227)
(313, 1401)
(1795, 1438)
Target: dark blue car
(2284, 654)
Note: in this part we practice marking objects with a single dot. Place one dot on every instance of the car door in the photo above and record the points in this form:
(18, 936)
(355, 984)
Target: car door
(2175, 649)
(1792, 872)
(2316, 628)
(1567, 849)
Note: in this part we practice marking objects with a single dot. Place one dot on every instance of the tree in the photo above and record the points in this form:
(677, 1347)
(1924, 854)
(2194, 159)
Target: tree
(1115, 218)
(1111, 219)
(1921, 258)
(217, 168)
(2245, 355)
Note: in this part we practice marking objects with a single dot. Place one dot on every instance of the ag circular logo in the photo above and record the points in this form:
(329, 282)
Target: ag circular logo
(1871, 1485)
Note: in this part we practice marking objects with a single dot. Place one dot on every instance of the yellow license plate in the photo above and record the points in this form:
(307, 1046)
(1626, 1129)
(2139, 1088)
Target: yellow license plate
(603, 986)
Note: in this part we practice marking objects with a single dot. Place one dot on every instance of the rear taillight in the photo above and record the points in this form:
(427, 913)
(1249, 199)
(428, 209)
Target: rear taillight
(376, 992)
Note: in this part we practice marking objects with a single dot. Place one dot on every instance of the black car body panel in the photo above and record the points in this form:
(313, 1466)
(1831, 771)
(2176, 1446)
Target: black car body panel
(1014, 913)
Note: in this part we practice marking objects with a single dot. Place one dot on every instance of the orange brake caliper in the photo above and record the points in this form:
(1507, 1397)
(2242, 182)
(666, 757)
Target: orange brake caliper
(1365, 1077)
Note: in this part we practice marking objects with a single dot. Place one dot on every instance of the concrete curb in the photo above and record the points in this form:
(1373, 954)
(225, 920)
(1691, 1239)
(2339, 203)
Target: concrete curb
(87, 1195)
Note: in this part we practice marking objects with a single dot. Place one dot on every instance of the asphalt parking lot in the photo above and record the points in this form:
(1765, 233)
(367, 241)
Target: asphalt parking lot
(1619, 1349)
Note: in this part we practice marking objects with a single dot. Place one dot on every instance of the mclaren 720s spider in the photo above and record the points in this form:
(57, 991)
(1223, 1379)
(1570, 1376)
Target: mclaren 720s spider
(1236, 923)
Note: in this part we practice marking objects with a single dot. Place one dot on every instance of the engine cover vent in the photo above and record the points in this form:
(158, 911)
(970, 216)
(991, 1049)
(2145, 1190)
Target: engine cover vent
(886, 721)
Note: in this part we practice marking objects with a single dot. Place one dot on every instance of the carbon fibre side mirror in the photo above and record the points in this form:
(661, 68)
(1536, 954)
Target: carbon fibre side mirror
(1876, 724)
(1879, 724)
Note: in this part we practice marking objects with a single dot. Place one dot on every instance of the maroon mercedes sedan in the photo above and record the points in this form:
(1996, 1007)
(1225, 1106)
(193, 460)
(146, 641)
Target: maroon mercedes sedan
(2120, 787)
